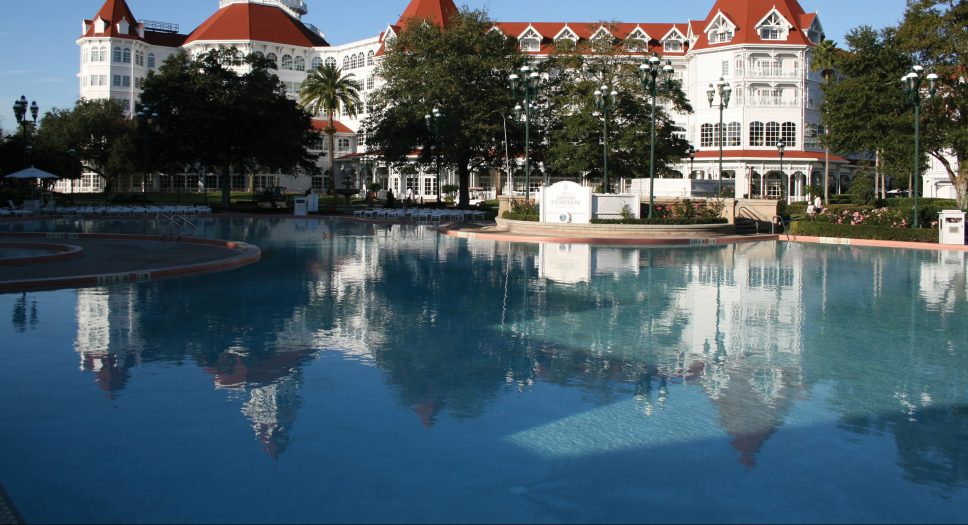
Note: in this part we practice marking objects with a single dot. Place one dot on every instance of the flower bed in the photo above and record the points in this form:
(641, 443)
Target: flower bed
(817, 228)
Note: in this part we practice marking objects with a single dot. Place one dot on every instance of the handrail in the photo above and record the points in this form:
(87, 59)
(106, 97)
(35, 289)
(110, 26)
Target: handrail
(176, 220)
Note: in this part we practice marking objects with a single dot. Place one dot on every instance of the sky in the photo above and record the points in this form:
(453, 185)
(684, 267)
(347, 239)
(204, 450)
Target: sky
(40, 57)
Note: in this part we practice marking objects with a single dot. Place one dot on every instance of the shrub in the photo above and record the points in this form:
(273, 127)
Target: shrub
(522, 211)
(827, 229)
(852, 216)
(861, 189)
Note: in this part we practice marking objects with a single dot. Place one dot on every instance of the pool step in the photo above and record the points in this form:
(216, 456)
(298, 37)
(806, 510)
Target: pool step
(745, 226)
(8, 514)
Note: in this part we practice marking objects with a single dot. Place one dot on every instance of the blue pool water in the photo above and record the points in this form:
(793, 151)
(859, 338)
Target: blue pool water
(376, 373)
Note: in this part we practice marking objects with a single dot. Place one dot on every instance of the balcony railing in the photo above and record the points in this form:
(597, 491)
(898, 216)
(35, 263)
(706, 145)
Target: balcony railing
(772, 101)
(773, 72)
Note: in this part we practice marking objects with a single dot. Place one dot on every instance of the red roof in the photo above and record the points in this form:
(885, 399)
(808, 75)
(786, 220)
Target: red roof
(767, 154)
(439, 11)
(247, 22)
(321, 124)
(585, 30)
(745, 14)
(113, 12)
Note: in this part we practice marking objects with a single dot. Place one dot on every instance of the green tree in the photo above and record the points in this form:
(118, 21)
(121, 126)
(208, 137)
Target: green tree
(934, 33)
(328, 90)
(462, 70)
(229, 112)
(865, 110)
(101, 135)
(575, 127)
(825, 58)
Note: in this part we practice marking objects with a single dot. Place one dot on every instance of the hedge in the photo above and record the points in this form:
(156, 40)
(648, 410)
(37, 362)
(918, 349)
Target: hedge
(663, 221)
(827, 229)
(517, 216)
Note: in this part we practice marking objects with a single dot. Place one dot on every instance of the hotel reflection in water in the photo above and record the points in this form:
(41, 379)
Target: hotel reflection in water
(732, 324)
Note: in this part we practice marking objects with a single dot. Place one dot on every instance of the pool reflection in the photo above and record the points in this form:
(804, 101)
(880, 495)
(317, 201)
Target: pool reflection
(455, 325)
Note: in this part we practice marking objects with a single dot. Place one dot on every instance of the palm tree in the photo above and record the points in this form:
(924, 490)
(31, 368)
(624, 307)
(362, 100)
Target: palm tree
(825, 61)
(328, 89)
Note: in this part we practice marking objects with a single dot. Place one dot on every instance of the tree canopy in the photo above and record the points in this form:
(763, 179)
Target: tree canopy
(328, 90)
(462, 70)
(229, 112)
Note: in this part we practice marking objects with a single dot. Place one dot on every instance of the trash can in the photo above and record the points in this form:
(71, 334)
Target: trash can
(313, 202)
(952, 227)
(299, 206)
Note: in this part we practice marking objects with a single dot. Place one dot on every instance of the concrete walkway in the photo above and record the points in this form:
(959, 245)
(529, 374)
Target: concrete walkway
(104, 259)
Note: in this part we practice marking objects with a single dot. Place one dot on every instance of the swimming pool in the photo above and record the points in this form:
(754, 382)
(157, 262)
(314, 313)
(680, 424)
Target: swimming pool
(383, 373)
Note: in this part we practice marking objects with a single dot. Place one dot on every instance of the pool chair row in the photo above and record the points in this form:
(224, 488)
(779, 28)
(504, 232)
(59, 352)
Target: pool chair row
(420, 215)
(132, 210)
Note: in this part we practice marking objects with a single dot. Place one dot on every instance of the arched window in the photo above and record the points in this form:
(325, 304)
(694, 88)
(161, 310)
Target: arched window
(369, 58)
(706, 136)
(789, 133)
(287, 62)
(300, 63)
(259, 54)
(360, 60)
(271, 57)
(139, 58)
(127, 56)
(733, 132)
(346, 62)
(117, 54)
(314, 65)
(756, 133)
(330, 62)
(772, 133)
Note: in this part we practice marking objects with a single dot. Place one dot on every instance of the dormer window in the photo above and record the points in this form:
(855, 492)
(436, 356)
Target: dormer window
(100, 25)
(530, 41)
(566, 34)
(721, 30)
(603, 34)
(637, 41)
(672, 45)
(773, 27)
(124, 27)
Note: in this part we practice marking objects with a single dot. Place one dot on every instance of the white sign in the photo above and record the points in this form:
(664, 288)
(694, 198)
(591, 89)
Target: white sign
(566, 202)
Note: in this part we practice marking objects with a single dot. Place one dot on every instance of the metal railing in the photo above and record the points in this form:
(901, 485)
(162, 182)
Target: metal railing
(178, 225)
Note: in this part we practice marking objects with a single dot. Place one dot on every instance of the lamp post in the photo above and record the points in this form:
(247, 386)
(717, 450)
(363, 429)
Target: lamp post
(781, 147)
(145, 118)
(913, 81)
(605, 104)
(724, 91)
(433, 122)
(692, 156)
(20, 109)
(525, 88)
(649, 74)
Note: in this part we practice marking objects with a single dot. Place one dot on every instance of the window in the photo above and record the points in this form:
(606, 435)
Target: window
(343, 144)
(773, 28)
(733, 132)
(369, 58)
(126, 56)
(721, 31)
(706, 136)
(756, 133)
(530, 44)
(316, 63)
(725, 68)
(346, 62)
(430, 186)
(330, 62)
(117, 54)
(370, 82)
(772, 133)
(139, 58)
(360, 60)
(271, 57)
(151, 60)
(788, 132)
(103, 55)
(299, 63)
(672, 45)
(287, 62)
(811, 139)
(126, 81)
(738, 66)
(116, 81)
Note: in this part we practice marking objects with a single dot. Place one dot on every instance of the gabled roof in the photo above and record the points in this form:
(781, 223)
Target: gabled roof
(583, 30)
(437, 11)
(113, 12)
(320, 124)
(263, 23)
(746, 14)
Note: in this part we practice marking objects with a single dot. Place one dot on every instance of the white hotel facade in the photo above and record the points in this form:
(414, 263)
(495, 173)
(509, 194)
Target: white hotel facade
(761, 48)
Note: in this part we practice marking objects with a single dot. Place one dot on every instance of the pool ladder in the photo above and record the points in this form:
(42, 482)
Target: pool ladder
(178, 226)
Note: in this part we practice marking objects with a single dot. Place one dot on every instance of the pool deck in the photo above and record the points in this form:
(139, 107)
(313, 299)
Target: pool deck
(100, 259)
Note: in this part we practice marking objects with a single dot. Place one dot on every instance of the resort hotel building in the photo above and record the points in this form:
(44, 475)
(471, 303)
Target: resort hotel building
(760, 49)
